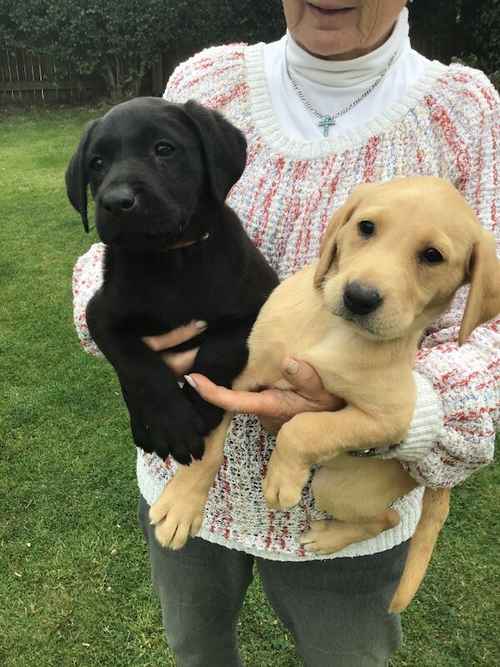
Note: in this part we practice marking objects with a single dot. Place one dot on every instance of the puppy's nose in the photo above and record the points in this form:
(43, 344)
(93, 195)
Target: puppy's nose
(120, 199)
(361, 299)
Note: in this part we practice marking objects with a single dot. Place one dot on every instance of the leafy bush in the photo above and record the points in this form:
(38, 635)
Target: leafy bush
(119, 40)
(483, 46)
(468, 30)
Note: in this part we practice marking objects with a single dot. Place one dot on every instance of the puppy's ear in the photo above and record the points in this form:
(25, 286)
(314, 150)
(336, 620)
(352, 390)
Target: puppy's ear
(483, 302)
(77, 177)
(328, 247)
(224, 148)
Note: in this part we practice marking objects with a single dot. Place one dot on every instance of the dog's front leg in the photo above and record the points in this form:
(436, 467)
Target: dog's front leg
(153, 397)
(221, 357)
(178, 513)
(313, 438)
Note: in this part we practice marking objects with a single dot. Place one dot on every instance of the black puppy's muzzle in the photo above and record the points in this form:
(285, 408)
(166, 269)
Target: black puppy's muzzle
(361, 299)
(137, 215)
(119, 200)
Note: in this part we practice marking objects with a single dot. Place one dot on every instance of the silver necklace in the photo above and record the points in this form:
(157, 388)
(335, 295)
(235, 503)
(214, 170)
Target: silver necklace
(326, 121)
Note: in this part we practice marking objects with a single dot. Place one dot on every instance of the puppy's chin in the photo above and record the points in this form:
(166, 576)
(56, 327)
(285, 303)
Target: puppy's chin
(374, 326)
(136, 234)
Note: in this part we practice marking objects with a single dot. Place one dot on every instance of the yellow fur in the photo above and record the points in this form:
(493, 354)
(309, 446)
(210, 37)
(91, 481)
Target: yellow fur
(366, 362)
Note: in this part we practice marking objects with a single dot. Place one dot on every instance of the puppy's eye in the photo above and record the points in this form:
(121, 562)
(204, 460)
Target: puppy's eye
(164, 149)
(431, 256)
(97, 163)
(366, 228)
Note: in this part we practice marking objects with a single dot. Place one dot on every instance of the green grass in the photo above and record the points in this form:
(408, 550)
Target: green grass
(74, 582)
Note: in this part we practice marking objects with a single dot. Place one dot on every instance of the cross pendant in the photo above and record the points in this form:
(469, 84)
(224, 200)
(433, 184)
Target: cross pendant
(326, 123)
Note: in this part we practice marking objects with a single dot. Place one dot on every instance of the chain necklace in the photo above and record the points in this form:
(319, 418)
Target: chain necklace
(326, 121)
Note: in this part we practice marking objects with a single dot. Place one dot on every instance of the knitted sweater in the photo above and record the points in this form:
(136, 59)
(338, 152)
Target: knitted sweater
(446, 125)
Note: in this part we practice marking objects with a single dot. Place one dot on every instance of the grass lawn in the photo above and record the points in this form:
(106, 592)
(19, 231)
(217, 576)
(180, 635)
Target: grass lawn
(74, 581)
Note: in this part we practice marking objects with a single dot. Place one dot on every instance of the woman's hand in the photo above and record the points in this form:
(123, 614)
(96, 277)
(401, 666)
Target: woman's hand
(273, 406)
(178, 362)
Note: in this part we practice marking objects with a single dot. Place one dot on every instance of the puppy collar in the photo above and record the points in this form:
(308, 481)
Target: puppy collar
(186, 244)
(373, 451)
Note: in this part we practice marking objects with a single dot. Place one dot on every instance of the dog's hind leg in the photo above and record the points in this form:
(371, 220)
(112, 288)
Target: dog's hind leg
(434, 514)
(331, 535)
(178, 513)
(358, 492)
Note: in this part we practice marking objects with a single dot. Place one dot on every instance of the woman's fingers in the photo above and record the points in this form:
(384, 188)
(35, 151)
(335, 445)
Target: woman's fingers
(303, 378)
(263, 403)
(180, 362)
(272, 424)
(176, 336)
(278, 405)
(307, 383)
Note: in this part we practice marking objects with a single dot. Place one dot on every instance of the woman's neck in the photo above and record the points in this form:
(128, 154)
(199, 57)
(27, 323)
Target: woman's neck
(345, 71)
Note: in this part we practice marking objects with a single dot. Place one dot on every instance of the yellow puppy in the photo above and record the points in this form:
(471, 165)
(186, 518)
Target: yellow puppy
(390, 263)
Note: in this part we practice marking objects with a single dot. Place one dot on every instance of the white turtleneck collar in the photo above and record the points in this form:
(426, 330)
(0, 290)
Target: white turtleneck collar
(345, 73)
(332, 85)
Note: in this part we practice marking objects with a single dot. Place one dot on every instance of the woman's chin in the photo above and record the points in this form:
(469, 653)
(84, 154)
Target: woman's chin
(330, 45)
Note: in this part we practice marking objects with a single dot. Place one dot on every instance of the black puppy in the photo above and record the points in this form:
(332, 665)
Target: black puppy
(159, 174)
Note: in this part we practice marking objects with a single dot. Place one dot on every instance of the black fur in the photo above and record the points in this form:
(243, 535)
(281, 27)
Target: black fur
(145, 203)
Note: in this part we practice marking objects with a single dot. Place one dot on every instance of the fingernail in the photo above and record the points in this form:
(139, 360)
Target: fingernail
(292, 367)
(190, 381)
(201, 324)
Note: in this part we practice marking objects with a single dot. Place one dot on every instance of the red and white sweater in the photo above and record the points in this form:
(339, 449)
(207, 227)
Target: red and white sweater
(446, 124)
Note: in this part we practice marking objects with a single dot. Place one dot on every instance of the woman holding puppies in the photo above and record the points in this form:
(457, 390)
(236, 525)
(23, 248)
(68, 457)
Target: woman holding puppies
(340, 100)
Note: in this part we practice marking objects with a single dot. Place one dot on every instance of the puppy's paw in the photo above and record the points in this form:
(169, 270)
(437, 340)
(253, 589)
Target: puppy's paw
(177, 514)
(186, 446)
(284, 481)
(178, 431)
(140, 434)
(327, 537)
(330, 535)
(165, 422)
(210, 415)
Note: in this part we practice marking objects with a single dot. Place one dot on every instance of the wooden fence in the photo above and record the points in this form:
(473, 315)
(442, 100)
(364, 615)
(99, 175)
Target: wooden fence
(27, 78)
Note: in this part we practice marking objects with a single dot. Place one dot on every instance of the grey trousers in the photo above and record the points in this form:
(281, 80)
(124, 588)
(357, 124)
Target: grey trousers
(336, 610)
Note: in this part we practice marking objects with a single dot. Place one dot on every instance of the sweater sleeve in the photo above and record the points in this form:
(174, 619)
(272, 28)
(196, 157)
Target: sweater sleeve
(458, 391)
(87, 278)
(212, 76)
(467, 381)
